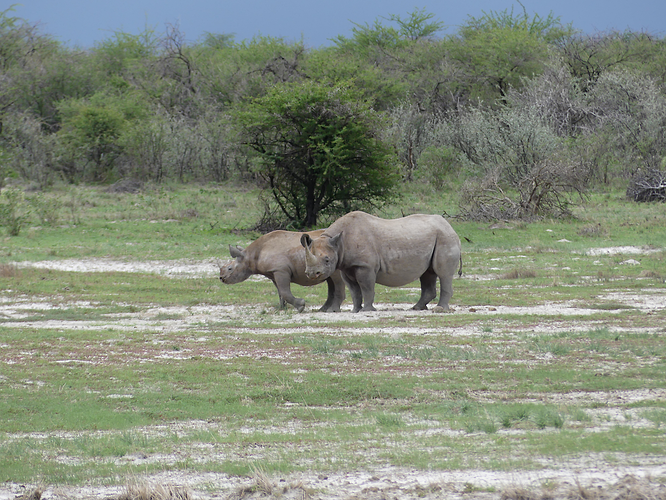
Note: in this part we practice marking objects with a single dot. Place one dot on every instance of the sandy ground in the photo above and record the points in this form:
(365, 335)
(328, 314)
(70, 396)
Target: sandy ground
(592, 477)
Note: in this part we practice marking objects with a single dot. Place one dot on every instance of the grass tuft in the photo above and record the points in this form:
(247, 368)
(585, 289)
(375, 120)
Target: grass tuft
(155, 492)
(520, 493)
(35, 494)
(9, 271)
(593, 231)
(519, 273)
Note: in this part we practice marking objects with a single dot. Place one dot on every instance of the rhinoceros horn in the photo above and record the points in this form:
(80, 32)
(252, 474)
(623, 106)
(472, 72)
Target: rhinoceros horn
(235, 251)
(310, 259)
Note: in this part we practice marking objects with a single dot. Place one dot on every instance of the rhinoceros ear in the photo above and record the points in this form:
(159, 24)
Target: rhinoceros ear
(235, 251)
(306, 241)
(335, 241)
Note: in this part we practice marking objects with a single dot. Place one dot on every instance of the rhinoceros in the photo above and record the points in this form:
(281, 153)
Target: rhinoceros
(371, 250)
(280, 257)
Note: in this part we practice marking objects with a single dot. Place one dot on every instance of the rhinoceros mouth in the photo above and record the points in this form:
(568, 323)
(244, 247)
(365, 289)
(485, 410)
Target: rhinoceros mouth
(313, 275)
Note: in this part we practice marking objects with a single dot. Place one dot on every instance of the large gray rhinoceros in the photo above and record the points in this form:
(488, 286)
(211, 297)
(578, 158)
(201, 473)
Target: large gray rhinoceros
(371, 250)
(280, 257)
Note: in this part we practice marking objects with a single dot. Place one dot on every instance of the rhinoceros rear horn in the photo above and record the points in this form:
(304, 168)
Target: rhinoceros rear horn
(306, 241)
(235, 251)
(334, 241)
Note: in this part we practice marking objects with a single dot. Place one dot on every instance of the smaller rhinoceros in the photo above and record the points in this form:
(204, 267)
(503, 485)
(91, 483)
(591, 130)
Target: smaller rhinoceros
(280, 257)
(395, 252)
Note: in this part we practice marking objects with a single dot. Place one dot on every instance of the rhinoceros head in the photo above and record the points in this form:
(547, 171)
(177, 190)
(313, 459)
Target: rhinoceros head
(237, 270)
(321, 255)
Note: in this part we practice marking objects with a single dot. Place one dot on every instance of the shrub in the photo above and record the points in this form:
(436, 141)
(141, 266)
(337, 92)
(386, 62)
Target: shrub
(33, 151)
(648, 185)
(437, 164)
(14, 212)
(630, 111)
(523, 168)
(46, 208)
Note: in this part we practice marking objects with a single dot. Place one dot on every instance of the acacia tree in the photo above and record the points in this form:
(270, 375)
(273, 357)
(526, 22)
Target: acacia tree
(317, 149)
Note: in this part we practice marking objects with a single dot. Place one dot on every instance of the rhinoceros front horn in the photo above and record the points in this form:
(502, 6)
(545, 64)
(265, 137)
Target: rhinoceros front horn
(306, 241)
(310, 259)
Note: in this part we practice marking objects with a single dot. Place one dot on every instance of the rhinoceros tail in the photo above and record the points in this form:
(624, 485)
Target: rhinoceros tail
(460, 270)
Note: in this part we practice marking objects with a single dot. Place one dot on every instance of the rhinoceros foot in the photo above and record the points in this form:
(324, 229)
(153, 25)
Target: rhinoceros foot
(327, 309)
(441, 309)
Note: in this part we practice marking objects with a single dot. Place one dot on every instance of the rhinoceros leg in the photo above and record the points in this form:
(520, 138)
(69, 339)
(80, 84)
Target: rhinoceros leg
(355, 291)
(446, 262)
(336, 293)
(445, 291)
(428, 290)
(331, 296)
(366, 280)
(282, 282)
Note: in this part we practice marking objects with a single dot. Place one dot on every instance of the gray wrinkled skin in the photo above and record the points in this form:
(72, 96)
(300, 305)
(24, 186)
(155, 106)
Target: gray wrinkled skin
(369, 250)
(280, 257)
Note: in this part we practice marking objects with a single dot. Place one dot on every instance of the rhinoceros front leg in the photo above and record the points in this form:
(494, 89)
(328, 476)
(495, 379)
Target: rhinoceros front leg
(355, 291)
(428, 290)
(282, 282)
(366, 280)
(336, 293)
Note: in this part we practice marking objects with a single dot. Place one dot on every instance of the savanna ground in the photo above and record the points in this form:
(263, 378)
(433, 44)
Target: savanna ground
(128, 370)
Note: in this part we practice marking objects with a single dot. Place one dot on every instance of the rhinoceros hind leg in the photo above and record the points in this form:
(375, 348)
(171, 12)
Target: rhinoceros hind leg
(283, 283)
(446, 291)
(428, 290)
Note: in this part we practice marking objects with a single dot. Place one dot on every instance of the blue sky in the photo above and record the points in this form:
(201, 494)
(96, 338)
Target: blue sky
(82, 23)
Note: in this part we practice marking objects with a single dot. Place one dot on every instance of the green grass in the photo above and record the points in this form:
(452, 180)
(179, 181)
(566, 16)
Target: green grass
(85, 388)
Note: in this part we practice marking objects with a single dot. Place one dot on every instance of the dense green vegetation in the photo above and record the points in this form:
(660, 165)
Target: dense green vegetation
(520, 113)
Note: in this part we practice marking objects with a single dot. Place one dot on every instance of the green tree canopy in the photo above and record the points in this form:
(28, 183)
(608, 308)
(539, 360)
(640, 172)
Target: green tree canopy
(498, 49)
(317, 149)
(418, 26)
(92, 129)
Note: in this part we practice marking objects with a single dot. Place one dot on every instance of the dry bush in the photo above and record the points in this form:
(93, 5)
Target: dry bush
(629, 110)
(485, 200)
(556, 97)
(525, 172)
(648, 185)
(546, 189)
